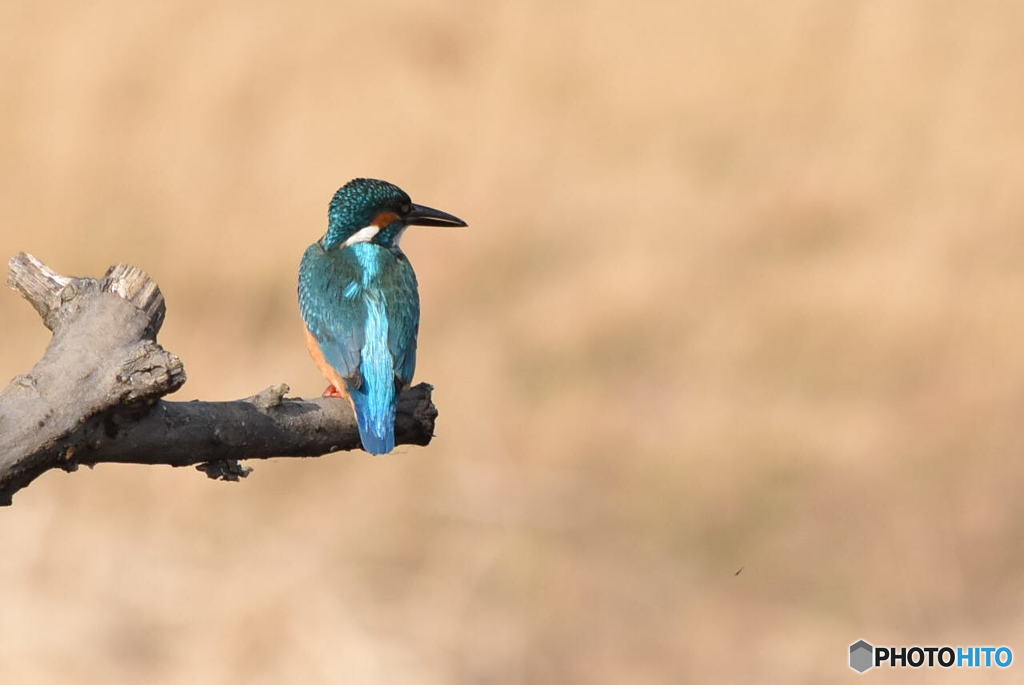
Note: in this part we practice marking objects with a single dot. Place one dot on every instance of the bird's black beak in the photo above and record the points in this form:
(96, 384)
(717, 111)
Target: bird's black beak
(425, 216)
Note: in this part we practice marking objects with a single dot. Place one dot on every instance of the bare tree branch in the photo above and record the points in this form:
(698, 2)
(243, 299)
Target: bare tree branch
(94, 396)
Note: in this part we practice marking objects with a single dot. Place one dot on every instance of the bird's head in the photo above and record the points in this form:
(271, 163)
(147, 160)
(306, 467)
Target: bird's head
(368, 210)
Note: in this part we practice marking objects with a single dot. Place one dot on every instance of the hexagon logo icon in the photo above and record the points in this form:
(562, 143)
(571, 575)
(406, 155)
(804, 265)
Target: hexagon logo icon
(861, 656)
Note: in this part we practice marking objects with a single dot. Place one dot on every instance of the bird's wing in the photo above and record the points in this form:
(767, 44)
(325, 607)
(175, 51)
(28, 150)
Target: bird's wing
(332, 308)
(403, 306)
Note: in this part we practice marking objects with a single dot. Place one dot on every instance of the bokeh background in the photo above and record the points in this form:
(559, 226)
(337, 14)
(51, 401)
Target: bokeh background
(743, 290)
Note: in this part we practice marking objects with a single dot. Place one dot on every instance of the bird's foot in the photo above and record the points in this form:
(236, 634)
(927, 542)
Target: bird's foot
(332, 391)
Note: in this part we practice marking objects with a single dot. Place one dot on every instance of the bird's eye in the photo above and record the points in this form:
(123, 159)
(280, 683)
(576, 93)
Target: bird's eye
(406, 208)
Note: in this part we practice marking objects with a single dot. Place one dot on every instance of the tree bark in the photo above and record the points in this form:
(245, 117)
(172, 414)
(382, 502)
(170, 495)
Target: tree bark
(95, 395)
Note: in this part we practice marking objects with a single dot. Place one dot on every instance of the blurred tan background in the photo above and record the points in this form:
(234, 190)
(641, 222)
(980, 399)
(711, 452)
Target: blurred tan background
(744, 288)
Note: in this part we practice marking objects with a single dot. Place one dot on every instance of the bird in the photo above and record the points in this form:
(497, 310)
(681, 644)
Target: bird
(360, 304)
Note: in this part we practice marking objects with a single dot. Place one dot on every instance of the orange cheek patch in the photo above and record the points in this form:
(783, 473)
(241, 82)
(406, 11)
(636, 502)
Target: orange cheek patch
(385, 219)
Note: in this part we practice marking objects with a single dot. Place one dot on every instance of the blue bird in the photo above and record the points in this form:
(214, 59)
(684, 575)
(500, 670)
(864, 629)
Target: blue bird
(360, 303)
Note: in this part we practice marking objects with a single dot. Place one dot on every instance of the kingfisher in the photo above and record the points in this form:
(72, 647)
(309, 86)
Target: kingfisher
(359, 300)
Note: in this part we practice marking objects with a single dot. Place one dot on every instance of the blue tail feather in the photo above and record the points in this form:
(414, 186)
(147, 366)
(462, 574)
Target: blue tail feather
(375, 400)
(376, 423)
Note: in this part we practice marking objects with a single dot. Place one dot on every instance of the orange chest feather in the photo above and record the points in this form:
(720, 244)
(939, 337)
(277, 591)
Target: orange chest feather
(325, 368)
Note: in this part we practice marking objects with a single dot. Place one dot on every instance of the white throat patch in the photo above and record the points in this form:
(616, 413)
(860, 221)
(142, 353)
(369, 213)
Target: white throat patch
(363, 235)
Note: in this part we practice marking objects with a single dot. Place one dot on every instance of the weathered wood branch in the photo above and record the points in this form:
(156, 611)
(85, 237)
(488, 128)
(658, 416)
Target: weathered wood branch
(94, 397)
